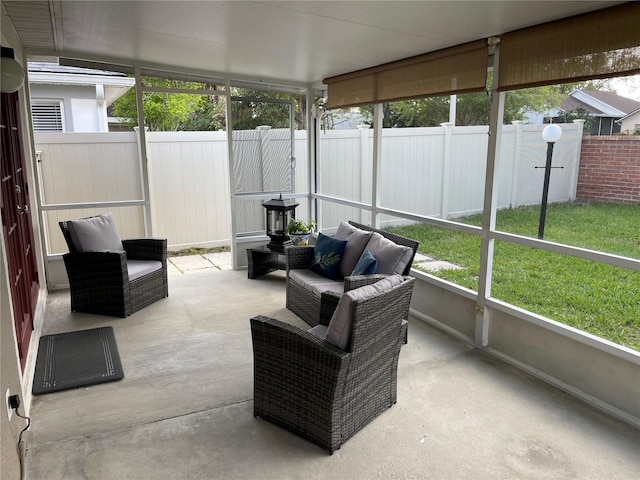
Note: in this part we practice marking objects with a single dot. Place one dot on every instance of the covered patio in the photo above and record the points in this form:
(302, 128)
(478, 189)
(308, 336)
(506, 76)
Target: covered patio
(485, 390)
(184, 408)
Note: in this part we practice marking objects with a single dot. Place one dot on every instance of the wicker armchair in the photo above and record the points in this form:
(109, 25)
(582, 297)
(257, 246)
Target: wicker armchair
(305, 303)
(318, 391)
(99, 281)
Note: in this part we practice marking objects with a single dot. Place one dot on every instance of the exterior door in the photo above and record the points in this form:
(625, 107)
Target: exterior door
(16, 224)
(263, 161)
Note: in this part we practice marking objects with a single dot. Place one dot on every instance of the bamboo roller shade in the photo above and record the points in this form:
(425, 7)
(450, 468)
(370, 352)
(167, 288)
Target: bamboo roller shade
(599, 44)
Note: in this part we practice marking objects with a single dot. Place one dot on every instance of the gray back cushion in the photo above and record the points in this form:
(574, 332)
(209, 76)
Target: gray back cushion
(339, 330)
(356, 241)
(95, 234)
(391, 258)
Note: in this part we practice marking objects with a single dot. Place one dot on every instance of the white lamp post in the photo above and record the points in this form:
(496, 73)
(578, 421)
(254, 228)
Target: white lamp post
(551, 134)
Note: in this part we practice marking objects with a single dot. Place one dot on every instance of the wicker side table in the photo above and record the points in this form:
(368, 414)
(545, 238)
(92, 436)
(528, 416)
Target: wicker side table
(261, 261)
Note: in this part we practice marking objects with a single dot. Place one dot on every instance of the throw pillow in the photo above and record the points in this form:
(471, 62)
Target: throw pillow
(366, 265)
(339, 330)
(95, 233)
(392, 258)
(327, 256)
(356, 241)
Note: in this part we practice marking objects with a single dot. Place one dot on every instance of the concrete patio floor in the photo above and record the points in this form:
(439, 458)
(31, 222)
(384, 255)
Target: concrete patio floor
(184, 408)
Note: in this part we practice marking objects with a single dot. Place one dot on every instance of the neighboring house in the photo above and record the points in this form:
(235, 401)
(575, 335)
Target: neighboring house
(72, 99)
(615, 114)
(630, 122)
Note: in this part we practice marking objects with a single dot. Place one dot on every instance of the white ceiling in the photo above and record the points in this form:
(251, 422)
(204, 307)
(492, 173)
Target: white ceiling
(282, 41)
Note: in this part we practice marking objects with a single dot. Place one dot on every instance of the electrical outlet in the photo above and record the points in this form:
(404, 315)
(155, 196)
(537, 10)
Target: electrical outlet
(6, 402)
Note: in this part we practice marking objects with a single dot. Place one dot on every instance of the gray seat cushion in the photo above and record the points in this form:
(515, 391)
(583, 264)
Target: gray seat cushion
(140, 268)
(315, 282)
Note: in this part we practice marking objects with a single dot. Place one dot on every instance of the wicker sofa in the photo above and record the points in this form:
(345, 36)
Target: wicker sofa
(308, 385)
(305, 287)
(118, 280)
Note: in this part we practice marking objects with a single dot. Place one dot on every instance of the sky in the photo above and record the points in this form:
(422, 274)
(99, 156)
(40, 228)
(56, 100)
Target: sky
(627, 87)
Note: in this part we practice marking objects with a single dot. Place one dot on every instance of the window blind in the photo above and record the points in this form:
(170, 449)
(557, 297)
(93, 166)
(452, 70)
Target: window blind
(458, 69)
(47, 117)
(599, 44)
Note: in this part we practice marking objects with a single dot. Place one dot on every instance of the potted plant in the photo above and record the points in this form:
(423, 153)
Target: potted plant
(300, 231)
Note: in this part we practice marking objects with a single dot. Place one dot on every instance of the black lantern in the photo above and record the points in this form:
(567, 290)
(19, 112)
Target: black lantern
(279, 212)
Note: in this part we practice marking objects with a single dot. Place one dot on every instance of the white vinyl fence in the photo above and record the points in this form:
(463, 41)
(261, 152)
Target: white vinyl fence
(81, 168)
(436, 171)
(440, 171)
(189, 188)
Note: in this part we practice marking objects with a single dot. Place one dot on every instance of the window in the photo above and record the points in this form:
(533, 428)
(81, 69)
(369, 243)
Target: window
(47, 116)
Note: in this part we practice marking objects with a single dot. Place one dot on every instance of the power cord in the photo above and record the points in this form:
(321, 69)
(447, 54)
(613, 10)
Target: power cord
(14, 403)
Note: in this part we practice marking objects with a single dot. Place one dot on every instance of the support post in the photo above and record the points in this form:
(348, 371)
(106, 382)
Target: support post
(517, 154)
(446, 168)
(489, 206)
(453, 99)
(144, 159)
(378, 113)
(366, 174)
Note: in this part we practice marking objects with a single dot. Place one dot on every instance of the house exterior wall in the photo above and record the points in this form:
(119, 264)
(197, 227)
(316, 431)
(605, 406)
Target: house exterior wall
(10, 375)
(631, 123)
(609, 169)
(81, 110)
(10, 378)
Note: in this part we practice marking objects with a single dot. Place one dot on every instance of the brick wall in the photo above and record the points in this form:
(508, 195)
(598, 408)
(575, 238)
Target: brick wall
(609, 169)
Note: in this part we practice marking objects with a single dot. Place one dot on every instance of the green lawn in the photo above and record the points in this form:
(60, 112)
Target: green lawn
(600, 299)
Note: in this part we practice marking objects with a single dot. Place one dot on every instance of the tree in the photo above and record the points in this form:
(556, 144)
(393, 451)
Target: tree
(162, 111)
(198, 112)
(252, 111)
(426, 112)
(579, 114)
(471, 108)
(210, 116)
(602, 84)
(539, 99)
(474, 108)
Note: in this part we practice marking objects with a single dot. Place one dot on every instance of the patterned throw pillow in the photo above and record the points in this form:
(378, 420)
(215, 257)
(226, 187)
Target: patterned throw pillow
(327, 256)
(366, 265)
